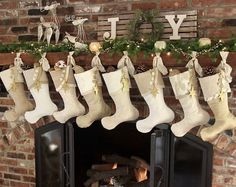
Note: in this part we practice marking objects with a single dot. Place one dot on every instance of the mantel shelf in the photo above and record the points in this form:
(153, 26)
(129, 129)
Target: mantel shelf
(84, 60)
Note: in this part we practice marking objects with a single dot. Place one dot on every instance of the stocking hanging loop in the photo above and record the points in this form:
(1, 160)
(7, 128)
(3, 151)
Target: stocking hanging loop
(194, 64)
(224, 66)
(18, 62)
(96, 62)
(70, 59)
(158, 63)
(44, 63)
(126, 61)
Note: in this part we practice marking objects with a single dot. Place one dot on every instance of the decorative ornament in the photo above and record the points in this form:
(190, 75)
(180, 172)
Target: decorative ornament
(79, 23)
(145, 17)
(80, 39)
(51, 27)
(160, 45)
(74, 40)
(95, 47)
(204, 42)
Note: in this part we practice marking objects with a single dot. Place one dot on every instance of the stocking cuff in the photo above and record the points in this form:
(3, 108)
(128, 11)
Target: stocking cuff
(63, 77)
(149, 80)
(184, 83)
(214, 86)
(10, 77)
(35, 76)
(117, 80)
(88, 80)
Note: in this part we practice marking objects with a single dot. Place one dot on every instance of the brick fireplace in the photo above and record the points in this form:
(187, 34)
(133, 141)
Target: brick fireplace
(217, 19)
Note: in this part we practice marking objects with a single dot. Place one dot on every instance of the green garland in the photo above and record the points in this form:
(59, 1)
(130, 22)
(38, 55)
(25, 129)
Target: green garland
(117, 46)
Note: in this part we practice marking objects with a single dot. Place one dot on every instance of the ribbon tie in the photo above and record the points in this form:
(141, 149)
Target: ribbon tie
(126, 61)
(96, 62)
(158, 63)
(18, 62)
(193, 63)
(44, 62)
(224, 66)
(70, 59)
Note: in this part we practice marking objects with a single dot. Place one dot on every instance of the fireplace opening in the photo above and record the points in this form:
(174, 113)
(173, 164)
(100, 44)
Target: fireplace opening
(124, 149)
(69, 156)
(92, 156)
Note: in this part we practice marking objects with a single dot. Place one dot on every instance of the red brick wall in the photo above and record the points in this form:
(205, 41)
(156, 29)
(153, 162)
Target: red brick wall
(217, 18)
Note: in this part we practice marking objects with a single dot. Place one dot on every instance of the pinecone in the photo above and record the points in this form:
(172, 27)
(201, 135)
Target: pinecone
(209, 70)
(141, 68)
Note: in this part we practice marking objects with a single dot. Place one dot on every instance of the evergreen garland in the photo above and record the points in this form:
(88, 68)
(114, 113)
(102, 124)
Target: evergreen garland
(176, 48)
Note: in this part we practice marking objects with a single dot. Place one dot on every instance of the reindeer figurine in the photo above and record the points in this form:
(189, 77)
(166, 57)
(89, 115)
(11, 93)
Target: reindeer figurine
(51, 27)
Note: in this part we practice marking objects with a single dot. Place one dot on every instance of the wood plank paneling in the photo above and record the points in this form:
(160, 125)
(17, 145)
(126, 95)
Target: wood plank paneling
(188, 28)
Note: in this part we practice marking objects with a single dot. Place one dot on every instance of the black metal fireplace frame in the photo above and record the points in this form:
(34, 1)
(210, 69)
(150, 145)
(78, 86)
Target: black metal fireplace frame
(67, 153)
(162, 164)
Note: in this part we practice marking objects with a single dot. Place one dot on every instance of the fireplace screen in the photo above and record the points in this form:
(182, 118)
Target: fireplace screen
(95, 157)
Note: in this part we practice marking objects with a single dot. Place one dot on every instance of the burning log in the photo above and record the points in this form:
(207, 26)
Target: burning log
(134, 162)
(101, 175)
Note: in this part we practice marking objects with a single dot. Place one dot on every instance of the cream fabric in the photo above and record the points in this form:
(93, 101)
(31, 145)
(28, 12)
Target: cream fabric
(35, 76)
(159, 112)
(88, 80)
(113, 79)
(194, 116)
(182, 83)
(211, 86)
(146, 80)
(22, 104)
(186, 91)
(224, 119)
(72, 106)
(118, 84)
(125, 111)
(97, 109)
(10, 77)
(63, 77)
(44, 104)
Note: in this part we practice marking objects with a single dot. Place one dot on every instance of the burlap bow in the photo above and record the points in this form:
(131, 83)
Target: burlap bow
(18, 62)
(158, 63)
(194, 64)
(70, 59)
(96, 62)
(226, 68)
(44, 62)
(126, 61)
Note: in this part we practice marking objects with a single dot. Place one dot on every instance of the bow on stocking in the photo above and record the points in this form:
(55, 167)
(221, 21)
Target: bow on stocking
(126, 61)
(193, 63)
(96, 62)
(44, 62)
(158, 63)
(18, 62)
(224, 66)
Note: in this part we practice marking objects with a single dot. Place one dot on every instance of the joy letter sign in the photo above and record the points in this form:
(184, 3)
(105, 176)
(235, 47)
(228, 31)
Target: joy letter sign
(177, 25)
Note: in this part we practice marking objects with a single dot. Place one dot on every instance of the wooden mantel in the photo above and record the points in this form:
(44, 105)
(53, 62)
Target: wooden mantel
(84, 60)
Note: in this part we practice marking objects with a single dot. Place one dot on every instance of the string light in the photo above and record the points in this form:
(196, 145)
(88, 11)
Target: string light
(168, 53)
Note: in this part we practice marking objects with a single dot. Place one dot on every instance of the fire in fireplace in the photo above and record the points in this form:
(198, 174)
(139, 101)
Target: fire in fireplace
(67, 155)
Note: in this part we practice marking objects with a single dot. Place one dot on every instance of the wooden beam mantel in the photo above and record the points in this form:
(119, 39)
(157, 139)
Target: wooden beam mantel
(84, 60)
